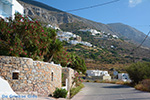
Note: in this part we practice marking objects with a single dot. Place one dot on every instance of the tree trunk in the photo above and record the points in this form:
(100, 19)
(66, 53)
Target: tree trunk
(51, 58)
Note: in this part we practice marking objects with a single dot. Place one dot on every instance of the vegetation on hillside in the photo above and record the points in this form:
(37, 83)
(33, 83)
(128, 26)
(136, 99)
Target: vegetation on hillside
(115, 52)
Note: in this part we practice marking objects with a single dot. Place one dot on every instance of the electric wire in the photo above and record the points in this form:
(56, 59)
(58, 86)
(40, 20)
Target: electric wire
(89, 7)
(142, 41)
(133, 50)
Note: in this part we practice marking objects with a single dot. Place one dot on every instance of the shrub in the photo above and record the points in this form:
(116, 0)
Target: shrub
(139, 71)
(144, 85)
(22, 37)
(60, 93)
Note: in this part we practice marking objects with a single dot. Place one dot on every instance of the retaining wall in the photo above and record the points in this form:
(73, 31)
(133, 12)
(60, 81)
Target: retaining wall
(32, 75)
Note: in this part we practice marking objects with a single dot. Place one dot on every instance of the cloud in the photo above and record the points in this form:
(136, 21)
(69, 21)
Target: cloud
(133, 3)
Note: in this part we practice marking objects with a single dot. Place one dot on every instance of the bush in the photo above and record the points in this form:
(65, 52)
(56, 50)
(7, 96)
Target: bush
(74, 91)
(139, 71)
(60, 93)
(144, 85)
(22, 37)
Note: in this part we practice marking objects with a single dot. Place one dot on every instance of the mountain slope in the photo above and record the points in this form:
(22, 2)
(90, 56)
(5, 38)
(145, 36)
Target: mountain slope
(130, 33)
(53, 16)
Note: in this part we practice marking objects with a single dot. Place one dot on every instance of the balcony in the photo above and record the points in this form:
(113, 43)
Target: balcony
(7, 2)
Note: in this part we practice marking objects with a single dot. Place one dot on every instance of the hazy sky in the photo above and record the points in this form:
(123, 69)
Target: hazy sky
(135, 13)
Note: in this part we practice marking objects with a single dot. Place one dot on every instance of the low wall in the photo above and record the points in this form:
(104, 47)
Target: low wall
(33, 75)
(68, 73)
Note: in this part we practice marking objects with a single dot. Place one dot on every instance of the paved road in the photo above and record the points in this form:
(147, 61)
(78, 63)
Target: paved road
(104, 91)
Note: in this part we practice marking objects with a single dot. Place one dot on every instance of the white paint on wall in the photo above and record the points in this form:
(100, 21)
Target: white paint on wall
(5, 88)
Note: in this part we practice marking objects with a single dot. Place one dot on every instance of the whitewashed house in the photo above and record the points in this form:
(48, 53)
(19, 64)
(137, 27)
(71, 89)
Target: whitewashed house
(86, 43)
(99, 73)
(53, 27)
(93, 72)
(9, 7)
(96, 73)
(123, 77)
(74, 42)
(115, 36)
(93, 31)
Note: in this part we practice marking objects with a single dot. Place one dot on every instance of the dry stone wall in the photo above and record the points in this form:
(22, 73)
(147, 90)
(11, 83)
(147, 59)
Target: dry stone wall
(68, 73)
(36, 76)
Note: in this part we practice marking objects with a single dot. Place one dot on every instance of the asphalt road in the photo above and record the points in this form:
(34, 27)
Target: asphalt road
(105, 91)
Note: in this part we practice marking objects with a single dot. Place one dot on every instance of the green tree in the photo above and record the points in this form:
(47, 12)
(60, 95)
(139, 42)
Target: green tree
(139, 71)
(54, 47)
(78, 64)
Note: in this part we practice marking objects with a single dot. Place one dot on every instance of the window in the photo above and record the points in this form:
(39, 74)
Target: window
(52, 76)
(15, 75)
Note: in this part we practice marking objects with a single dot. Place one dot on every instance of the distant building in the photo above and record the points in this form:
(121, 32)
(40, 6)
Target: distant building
(86, 43)
(93, 31)
(9, 7)
(96, 73)
(74, 42)
(123, 77)
(115, 36)
(112, 46)
(99, 73)
(53, 27)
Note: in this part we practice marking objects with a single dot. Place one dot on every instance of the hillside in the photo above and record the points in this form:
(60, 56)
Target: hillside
(130, 33)
(107, 53)
(53, 16)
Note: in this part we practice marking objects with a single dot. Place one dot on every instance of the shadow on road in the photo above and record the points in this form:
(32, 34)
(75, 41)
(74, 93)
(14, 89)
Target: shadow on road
(134, 99)
(117, 86)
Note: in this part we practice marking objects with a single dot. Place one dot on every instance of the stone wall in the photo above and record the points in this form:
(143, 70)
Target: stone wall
(68, 74)
(33, 75)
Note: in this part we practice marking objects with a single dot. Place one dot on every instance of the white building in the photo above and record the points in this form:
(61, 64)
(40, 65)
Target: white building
(74, 42)
(97, 73)
(93, 31)
(86, 43)
(123, 76)
(9, 7)
(112, 46)
(115, 36)
(66, 34)
(53, 27)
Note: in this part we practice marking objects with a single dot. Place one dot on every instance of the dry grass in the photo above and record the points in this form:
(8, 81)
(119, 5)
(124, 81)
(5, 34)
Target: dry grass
(109, 81)
(144, 85)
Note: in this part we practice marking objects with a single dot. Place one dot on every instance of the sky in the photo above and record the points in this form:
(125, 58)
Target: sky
(135, 13)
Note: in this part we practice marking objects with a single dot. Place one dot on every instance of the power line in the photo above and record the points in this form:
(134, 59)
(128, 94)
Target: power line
(143, 40)
(89, 7)
(139, 45)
